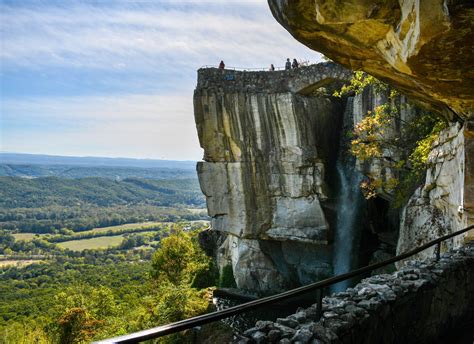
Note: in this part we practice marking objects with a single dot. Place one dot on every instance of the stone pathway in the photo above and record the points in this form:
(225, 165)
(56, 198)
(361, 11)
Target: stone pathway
(416, 304)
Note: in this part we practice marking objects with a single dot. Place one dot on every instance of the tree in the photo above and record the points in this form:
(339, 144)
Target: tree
(373, 139)
(176, 265)
(179, 259)
(77, 325)
(84, 313)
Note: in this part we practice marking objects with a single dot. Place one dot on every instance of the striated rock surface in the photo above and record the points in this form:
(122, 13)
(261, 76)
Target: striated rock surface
(423, 48)
(271, 141)
(268, 140)
(444, 203)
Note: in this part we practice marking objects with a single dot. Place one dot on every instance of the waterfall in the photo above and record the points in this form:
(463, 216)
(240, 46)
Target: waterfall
(348, 206)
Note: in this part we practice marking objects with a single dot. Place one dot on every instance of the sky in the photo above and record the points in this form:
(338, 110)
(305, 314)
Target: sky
(116, 78)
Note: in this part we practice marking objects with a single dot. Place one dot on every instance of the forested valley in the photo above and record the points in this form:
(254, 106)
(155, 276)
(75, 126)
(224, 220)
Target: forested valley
(88, 258)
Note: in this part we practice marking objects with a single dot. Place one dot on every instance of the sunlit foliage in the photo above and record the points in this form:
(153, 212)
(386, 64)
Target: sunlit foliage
(373, 139)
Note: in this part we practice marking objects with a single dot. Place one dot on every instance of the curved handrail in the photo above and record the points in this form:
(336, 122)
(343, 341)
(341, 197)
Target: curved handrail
(178, 326)
(245, 69)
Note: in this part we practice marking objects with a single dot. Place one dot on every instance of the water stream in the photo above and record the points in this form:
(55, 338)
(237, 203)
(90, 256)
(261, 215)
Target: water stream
(349, 205)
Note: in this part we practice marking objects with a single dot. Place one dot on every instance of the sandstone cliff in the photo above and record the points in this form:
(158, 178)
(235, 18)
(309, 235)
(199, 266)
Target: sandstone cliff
(445, 202)
(267, 145)
(271, 141)
(423, 48)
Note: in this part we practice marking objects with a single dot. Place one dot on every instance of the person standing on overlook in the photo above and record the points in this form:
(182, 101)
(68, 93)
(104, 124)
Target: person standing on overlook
(287, 64)
(221, 65)
(272, 68)
(295, 63)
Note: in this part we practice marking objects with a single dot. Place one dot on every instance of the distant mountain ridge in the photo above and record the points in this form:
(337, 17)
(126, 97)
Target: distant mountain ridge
(40, 159)
(36, 166)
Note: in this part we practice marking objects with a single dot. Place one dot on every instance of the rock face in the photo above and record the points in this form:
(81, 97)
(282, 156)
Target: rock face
(423, 48)
(418, 304)
(271, 141)
(377, 223)
(445, 202)
(366, 102)
(267, 141)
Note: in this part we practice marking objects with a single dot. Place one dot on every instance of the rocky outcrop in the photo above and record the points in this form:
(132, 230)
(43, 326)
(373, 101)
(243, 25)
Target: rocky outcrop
(268, 139)
(379, 223)
(423, 48)
(445, 202)
(418, 304)
(271, 141)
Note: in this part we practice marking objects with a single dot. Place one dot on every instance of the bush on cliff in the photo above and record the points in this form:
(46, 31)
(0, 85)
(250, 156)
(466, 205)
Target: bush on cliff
(226, 279)
(405, 155)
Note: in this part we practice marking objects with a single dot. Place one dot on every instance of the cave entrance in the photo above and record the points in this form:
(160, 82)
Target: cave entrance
(379, 239)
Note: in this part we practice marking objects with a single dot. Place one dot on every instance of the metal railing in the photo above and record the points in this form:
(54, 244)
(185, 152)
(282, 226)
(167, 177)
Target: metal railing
(179, 326)
(245, 69)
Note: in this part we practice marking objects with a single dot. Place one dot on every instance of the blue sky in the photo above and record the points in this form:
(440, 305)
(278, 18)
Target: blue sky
(115, 78)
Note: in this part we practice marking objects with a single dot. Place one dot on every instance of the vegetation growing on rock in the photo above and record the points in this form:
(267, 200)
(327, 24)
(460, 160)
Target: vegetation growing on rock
(373, 139)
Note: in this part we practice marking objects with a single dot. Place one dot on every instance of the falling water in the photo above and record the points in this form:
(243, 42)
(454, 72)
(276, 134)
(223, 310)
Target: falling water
(349, 204)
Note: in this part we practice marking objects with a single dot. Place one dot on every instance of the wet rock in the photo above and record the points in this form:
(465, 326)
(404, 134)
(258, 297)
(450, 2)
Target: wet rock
(299, 317)
(357, 311)
(259, 337)
(263, 325)
(330, 314)
(302, 336)
(285, 341)
(289, 322)
(285, 331)
(370, 305)
(273, 335)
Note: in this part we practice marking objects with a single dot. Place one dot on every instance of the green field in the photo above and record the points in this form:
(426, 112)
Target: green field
(122, 227)
(19, 263)
(92, 244)
(119, 228)
(25, 236)
(197, 210)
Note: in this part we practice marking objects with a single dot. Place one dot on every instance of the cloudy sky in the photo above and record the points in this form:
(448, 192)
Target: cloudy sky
(115, 78)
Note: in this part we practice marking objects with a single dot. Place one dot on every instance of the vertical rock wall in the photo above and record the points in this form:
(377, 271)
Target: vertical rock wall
(444, 203)
(379, 221)
(262, 159)
(267, 149)
(271, 141)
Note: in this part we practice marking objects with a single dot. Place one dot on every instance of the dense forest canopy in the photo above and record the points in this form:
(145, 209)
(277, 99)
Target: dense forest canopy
(77, 237)
(18, 192)
(46, 205)
(114, 172)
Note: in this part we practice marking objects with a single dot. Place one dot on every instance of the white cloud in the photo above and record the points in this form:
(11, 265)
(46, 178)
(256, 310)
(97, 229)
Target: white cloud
(147, 126)
(146, 47)
(144, 37)
(99, 108)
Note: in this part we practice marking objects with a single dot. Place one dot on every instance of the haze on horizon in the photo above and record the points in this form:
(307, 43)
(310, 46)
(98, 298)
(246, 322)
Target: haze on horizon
(116, 78)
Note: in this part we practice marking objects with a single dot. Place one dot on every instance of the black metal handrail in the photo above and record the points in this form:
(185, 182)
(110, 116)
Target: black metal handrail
(179, 326)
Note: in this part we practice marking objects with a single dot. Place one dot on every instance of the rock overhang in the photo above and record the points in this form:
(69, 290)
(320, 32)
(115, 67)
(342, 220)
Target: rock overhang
(422, 48)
